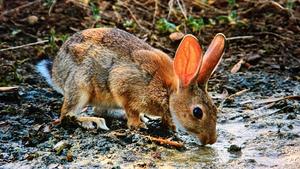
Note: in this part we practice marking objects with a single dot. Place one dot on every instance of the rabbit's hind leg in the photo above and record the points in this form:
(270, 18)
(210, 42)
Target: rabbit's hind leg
(73, 105)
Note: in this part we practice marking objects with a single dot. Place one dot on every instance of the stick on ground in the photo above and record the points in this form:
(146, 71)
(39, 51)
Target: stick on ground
(166, 142)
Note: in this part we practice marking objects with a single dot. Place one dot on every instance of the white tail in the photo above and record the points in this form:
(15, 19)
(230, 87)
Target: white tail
(43, 68)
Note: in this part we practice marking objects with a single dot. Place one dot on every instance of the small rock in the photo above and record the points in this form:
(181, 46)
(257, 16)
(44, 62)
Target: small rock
(156, 155)
(251, 161)
(176, 36)
(52, 166)
(32, 19)
(291, 117)
(290, 126)
(141, 165)
(69, 156)
(30, 157)
(234, 149)
(58, 147)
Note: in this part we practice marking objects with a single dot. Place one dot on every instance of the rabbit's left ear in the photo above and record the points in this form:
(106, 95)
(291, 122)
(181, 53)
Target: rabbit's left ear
(212, 58)
(187, 60)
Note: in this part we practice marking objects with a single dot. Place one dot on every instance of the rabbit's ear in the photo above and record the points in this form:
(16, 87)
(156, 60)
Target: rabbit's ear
(187, 60)
(212, 58)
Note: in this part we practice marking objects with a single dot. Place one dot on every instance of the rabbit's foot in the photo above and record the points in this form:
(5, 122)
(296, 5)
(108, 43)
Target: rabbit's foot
(136, 124)
(92, 123)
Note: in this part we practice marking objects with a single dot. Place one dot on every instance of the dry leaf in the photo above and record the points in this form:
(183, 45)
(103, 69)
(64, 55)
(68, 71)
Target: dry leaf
(237, 66)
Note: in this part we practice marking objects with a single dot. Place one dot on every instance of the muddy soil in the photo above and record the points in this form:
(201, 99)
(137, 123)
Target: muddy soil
(250, 135)
(255, 128)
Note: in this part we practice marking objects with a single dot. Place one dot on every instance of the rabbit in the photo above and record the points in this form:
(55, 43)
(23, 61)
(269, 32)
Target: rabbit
(109, 68)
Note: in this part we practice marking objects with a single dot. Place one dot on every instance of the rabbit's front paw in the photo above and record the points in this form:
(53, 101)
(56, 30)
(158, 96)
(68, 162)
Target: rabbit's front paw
(92, 123)
(136, 124)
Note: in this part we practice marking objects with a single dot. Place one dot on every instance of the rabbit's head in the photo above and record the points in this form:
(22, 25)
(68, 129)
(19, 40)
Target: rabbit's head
(191, 107)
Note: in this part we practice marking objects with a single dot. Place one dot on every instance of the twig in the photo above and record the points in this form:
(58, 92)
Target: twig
(51, 7)
(265, 111)
(274, 34)
(238, 93)
(22, 46)
(8, 89)
(201, 4)
(232, 96)
(155, 12)
(170, 3)
(166, 142)
(19, 7)
(133, 16)
(272, 100)
(239, 37)
(182, 8)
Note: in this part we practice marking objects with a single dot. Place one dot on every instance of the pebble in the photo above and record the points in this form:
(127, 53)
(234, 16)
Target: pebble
(176, 36)
(58, 147)
(32, 19)
(234, 148)
(291, 117)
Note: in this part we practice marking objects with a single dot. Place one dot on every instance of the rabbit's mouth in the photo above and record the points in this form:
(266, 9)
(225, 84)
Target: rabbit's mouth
(207, 139)
(204, 138)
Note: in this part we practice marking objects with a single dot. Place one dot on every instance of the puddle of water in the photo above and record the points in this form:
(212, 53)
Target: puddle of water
(217, 153)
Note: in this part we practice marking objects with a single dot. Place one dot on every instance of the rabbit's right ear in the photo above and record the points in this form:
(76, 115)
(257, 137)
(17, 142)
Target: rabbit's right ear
(187, 60)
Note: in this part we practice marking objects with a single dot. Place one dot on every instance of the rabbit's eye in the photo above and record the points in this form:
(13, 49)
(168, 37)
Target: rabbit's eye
(197, 112)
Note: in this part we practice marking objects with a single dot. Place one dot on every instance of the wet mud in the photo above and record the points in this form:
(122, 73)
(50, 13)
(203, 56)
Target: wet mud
(251, 134)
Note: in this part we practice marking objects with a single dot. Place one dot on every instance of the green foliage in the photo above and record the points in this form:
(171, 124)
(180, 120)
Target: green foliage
(54, 38)
(290, 4)
(15, 32)
(232, 19)
(12, 76)
(164, 26)
(129, 24)
(63, 38)
(49, 2)
(195, 24)
(231, 2)
(95, 12)
(233, 16)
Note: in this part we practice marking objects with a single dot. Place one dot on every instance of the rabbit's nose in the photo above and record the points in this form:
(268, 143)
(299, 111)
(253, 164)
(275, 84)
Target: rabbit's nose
(212, 140)
(208, 139)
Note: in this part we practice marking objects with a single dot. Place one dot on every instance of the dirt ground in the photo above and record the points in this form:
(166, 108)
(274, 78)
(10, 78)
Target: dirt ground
(256, 87)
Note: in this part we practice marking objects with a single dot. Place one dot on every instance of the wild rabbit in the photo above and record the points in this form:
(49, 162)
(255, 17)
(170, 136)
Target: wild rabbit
(109, 68)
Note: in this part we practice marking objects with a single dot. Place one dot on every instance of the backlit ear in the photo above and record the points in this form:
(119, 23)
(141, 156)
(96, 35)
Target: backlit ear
(212, 58)
(187, 60)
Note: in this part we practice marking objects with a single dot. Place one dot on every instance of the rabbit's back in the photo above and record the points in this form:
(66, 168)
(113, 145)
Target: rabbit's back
(106, 46)
(92, 41)
(102, 62)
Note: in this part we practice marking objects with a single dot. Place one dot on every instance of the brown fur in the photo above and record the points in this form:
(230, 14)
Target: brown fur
(110, 68)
